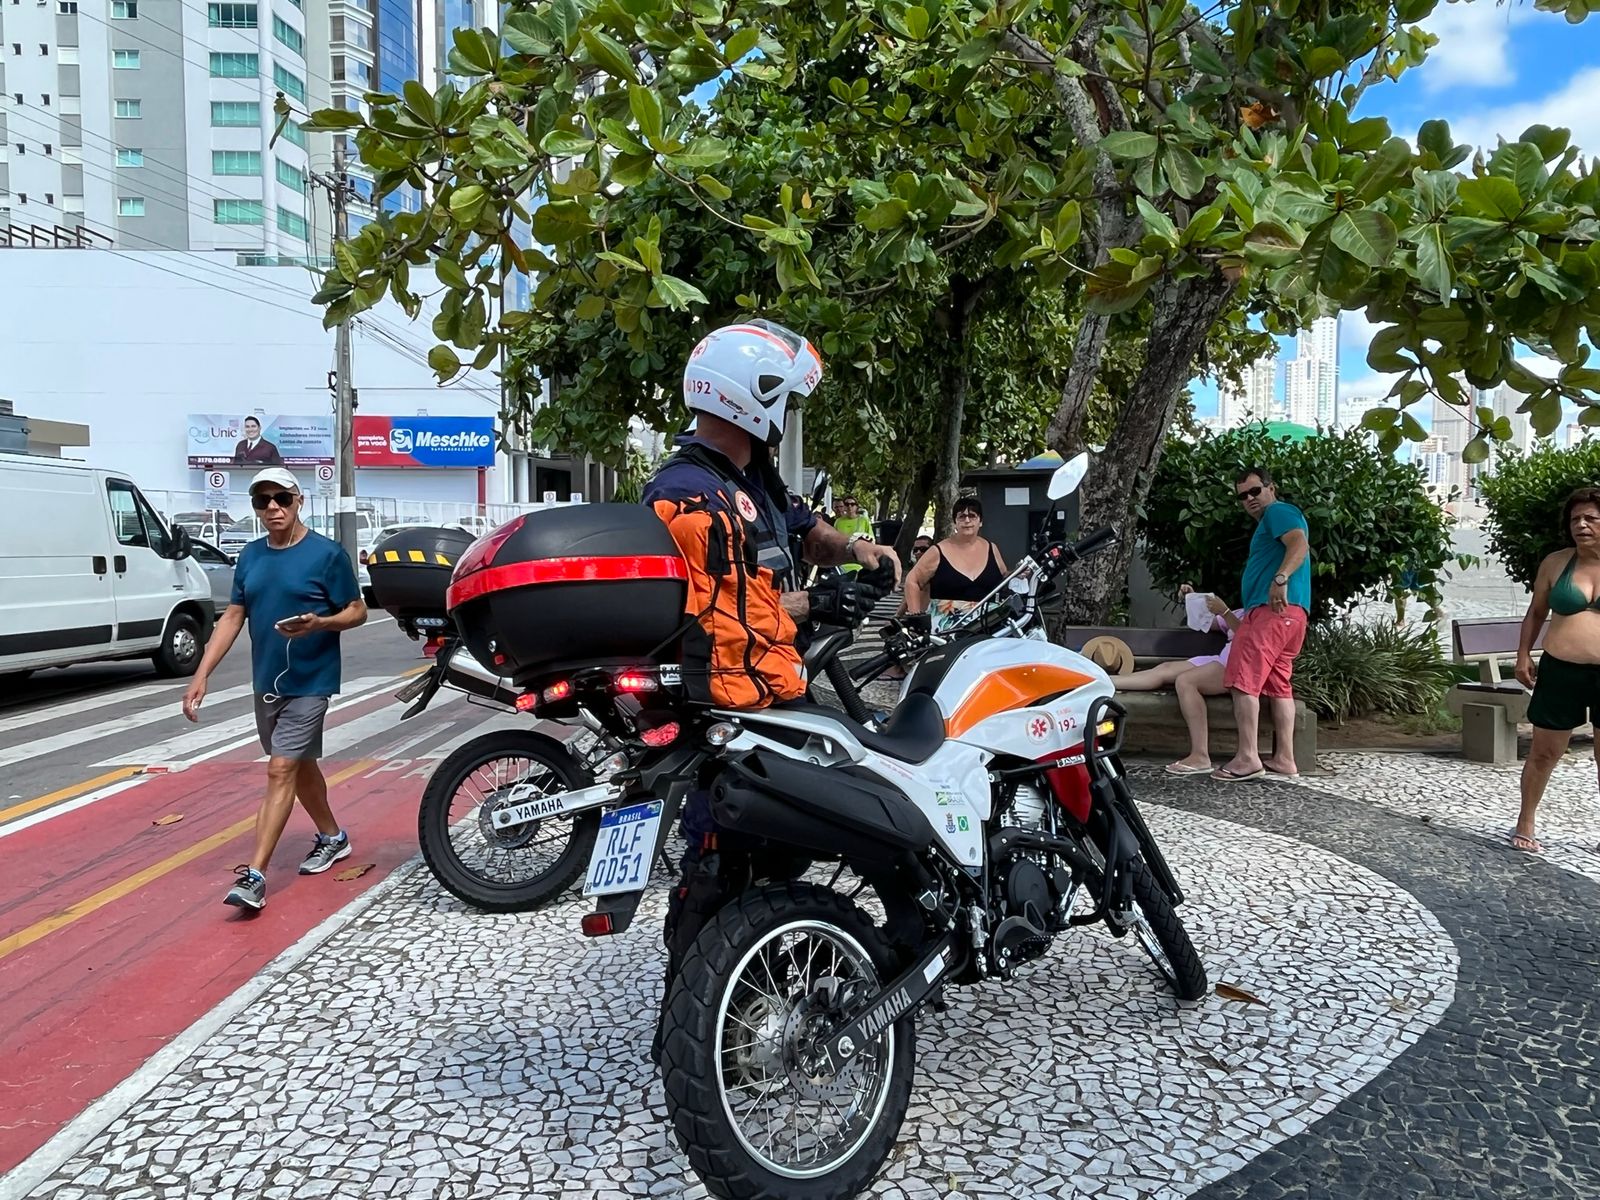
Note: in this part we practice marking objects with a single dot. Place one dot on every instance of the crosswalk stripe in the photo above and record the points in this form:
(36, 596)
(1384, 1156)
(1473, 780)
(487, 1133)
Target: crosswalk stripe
(200, 744)
(51, 712)
(107, 729)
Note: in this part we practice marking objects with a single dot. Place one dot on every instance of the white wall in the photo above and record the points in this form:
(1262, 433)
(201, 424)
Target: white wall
(130, 343)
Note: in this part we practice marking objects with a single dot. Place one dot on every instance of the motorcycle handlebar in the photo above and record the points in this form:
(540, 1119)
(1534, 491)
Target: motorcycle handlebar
(872, 667)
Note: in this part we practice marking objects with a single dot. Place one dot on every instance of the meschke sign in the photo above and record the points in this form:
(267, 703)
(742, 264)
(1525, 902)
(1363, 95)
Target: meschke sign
(424, 442)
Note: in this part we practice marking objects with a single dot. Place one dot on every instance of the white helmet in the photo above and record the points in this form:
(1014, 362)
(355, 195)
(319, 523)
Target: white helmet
(745, 374)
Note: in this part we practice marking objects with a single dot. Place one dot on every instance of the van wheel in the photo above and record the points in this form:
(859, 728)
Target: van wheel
(180, 648)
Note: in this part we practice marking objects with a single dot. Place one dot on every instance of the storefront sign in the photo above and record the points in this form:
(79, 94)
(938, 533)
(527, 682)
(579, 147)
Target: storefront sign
(256, 440)
(424, 441)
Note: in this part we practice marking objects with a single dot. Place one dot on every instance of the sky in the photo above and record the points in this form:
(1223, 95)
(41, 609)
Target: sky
(1496, 70)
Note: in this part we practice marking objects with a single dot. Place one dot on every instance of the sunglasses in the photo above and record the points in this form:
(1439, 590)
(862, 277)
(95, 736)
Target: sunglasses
(261, 500)
(1251, 493)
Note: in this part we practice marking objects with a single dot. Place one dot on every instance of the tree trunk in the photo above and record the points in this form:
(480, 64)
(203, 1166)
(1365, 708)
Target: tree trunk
(916, 507)
(955, 319)
(1064, 434)
(1119, 480)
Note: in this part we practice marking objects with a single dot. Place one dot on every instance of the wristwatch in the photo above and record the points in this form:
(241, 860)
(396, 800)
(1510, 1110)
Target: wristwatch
(1281, 579)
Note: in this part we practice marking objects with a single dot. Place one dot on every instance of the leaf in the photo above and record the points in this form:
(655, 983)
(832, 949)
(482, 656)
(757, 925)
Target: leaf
(1129, 144)
(979, 50)
(1322, 61)
(560, 221)
(1491, 196)
(467, 202)
(335, 118)
(351, 873)
(345, 259)
(1434, 137)
(609, 54)
(646, 106)
(1365, 234)
(1521, 164)
(1434, 270)
(444, 362)
(1475, 451)
(1156, 222)
(1383, 352)
(169, 819)
(700, 153)
(450, 274)
(1228, 992)
(1387, 166)
(564, 143)
(887, 215)
(1185, 172)
(741, 43)
(676, 293)
(589, 307)
(916, 21)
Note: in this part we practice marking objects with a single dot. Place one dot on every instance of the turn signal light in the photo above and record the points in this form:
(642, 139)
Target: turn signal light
(595, 924)
(661, 735)
(557, 691)
(721, 733)
(528, 701)
(1106, 728)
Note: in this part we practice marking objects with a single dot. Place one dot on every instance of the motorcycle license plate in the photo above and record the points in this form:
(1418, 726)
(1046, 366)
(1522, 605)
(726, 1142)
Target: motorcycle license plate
(623, 850)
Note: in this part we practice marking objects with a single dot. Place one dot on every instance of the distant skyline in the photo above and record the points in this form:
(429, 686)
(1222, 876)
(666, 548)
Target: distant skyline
(1496, 70)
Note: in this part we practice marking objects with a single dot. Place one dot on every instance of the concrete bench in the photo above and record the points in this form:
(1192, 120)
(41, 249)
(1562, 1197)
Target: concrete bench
(1156, 725)
(1491, 708)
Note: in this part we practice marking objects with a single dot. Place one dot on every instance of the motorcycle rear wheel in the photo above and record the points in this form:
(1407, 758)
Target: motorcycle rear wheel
(516, 869)
(735, 1033)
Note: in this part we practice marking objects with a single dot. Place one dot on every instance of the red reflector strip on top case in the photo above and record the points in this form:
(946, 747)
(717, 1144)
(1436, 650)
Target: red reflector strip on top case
(564, 570)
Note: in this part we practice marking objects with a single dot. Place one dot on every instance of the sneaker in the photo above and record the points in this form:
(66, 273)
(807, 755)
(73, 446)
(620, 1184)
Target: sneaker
(250, 892)
(325, 852)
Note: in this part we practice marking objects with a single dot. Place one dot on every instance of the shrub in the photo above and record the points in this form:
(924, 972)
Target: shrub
(1524, 497)
(1374, 528)
(1346, 671)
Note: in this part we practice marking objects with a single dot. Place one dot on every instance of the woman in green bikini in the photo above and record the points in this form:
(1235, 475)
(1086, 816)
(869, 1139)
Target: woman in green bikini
(1566, 681)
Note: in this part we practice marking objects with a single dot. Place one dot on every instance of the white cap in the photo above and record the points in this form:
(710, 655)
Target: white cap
(277, 476)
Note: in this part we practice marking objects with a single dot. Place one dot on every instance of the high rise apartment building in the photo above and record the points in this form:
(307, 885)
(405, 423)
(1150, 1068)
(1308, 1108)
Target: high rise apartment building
(1255, 397)
(1311, 381)
(144, 124)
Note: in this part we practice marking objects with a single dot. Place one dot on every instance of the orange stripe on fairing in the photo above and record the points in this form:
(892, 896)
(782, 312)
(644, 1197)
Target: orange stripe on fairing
(1013, 687)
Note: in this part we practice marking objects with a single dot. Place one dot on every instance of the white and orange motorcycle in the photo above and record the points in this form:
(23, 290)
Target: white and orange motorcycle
(988, 816)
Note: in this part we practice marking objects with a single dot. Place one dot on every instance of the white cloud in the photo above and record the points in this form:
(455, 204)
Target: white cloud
(1369, 384)
(1572, 106)
(1473, 43)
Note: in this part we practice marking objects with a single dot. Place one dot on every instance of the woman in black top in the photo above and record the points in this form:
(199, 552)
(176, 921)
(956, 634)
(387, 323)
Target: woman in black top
(955, 574)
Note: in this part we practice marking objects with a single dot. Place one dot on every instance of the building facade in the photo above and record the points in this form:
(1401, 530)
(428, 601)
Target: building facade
(1254, 399)
(1311, 385)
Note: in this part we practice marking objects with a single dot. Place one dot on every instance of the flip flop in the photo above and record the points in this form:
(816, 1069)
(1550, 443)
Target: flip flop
(1223, 775)
(1181, 769)
(1528, 845)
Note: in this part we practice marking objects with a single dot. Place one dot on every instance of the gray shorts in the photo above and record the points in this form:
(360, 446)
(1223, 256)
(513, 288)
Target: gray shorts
(291, 726)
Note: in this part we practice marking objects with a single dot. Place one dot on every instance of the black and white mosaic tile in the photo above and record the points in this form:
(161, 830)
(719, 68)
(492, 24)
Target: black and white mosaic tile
(430, 1051)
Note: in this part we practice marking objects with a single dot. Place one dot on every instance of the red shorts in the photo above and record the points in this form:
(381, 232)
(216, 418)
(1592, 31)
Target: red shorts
(1264, 650)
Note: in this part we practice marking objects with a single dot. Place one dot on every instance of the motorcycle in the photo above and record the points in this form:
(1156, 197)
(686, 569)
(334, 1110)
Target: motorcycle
(991, 802)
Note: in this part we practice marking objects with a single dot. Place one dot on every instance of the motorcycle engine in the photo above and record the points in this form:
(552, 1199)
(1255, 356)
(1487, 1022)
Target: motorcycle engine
(1028, 893)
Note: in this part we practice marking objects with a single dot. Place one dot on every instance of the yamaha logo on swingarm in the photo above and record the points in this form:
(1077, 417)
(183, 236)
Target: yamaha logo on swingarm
(876, 1021)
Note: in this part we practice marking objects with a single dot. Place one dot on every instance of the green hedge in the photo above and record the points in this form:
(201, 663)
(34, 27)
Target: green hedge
(1346, 671)
(1374, 528)
(1524, 497)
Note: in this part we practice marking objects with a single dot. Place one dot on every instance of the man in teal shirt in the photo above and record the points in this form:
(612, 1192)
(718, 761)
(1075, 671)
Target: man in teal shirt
(1277, 606)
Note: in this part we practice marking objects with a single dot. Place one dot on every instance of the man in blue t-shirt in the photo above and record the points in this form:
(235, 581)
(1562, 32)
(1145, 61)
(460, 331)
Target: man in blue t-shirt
(1277, 605)
(298, 591)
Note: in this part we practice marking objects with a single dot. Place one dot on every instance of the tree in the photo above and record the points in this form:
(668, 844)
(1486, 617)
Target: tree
(1184, 165)
(1525, 495)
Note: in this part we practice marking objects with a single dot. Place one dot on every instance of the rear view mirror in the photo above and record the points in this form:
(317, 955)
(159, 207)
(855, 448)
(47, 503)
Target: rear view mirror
(1067, 477)
(181, 543)
(819, 488)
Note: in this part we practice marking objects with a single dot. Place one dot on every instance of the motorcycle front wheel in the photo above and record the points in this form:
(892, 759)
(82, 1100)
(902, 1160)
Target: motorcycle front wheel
(1158, 928)
(774, 973)
(520, 867)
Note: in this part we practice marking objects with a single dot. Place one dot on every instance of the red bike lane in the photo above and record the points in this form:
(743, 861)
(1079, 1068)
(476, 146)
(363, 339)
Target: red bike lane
(114, 937)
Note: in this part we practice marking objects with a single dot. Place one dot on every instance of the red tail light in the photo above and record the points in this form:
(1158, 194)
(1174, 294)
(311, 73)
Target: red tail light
(636, 681)
(595, 924)
(661, 735)
(557, 691)
(528, 701)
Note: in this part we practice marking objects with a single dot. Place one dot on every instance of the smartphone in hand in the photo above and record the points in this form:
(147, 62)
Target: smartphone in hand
(292, 624)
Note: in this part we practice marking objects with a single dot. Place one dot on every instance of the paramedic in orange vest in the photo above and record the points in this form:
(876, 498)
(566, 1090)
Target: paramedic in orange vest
(732, 518)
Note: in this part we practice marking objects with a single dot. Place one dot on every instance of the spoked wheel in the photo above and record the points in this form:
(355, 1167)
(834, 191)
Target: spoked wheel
(521, 866)
(1157, 927)
(767, 981)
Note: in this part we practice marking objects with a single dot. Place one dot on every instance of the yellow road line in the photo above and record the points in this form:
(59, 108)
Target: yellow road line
(134, 882)
(66, 793)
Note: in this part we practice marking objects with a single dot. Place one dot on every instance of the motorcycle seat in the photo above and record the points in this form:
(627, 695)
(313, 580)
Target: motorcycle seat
(912, 734)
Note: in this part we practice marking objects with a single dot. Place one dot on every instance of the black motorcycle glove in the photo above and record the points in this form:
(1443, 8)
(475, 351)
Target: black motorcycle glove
(849, 599)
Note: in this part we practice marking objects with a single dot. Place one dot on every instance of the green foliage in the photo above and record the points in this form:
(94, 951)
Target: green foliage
(1346, 670)
(1195, 530)
(1525, 495)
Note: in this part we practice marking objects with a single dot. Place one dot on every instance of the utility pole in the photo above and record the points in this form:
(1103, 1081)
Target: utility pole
(339, 191)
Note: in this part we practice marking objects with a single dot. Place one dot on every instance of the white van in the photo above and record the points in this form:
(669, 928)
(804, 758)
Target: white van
(89, 572)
